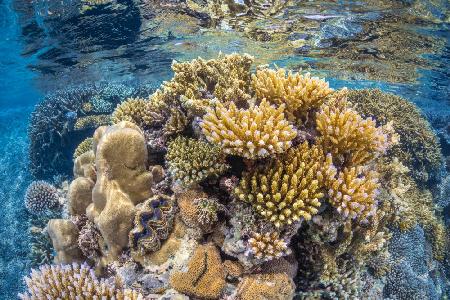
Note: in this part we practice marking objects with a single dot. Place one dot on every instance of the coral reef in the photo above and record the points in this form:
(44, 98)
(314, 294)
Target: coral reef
(418, 148)
(267, 246)
(288, 189)
(40, 197)
(64, 235)
(256, 132)
(83, 147)
(89, 240)
(152, 224)
(192, 161)
(132, 110)
(72, 282)
(266, 286)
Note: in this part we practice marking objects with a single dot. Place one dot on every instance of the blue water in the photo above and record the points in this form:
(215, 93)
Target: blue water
(34, 62)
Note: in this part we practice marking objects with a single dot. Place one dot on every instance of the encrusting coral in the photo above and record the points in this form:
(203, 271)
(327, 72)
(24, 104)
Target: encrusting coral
(192, 161)
(300, 93)
(256, 132)
(72, 282)
(40, 197)
(228, 185)
(287, 189)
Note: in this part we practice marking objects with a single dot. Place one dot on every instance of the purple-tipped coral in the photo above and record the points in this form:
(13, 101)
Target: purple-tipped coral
(40, 197)
(72, 282)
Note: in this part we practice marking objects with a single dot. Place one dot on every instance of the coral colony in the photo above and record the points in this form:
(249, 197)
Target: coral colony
(231, 184)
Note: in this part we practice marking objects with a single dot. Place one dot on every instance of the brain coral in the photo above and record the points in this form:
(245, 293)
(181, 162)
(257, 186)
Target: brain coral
(72, 282)
(257, 132)
(192, 161)
(300, 93)
(40, 197)
(419, 147)
(152, 224)
(288, 188)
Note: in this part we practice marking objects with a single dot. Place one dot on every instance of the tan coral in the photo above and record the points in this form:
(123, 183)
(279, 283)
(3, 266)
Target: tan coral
(205, 277)
(91, 122)
(64, 236)
(287, 189)
(83, 147)
(132, 110)
(267, 246)
(257, 132)
(122, 182)
(84, 166)
(80, 195)
(300, 93)
(276, 286)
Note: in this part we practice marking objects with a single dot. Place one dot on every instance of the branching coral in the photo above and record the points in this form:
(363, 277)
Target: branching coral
(88, 240)
(72, 282)
(267, 246)
(152, 224)
(192, 161)
(352, 191)
(83, 147)
(300, 93)
(288, 188)
(132, 110)
(349, 137)
(40, 197)
(419, 148)
(256, 132)
(91, 122)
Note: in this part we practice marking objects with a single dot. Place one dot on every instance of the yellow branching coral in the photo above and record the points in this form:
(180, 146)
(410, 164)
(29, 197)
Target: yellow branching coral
(83, 147)
(132, 110)
(191, 161)
(352, 191)
(91, 122)
(300, 93)
(267, 246)
(72, 282)
(348, 136)
(288, 189)
(256, 132)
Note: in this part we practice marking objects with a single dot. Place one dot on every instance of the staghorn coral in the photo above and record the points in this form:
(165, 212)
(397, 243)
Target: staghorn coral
(40, 197)
(152, 224)
(192, 161)
(72, 282)
(257, 132)
(83, 147)
(132, 110)
(300, 93)
(91, 122)
(205, 277)
(352, 191)
(267, 246)
(276, 286)
(287, 189)
(350, 138)
(418, 148)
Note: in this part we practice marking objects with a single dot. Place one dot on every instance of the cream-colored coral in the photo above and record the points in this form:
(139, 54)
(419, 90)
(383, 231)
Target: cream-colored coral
(257, 132)
(91, 122)
(300, 93)
(267, 246)
(72, 282)
(275, 286)
(343, 132)
(83, 147)
(287, 189)
(64, 236)
(192, 161)
(133, 110)
(352, 191)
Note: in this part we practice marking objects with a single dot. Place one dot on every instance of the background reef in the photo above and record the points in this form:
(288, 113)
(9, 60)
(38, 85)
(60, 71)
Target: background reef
(49, 47)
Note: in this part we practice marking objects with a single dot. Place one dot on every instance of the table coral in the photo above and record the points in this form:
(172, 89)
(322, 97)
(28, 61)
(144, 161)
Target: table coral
(152, 224)
(300, 93)
(192, 161)
(288, 188)
(72, 282)
(257, 132)
(40, 197)
(205, 277)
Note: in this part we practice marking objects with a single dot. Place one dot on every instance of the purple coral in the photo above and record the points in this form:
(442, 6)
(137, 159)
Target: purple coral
(40, 196)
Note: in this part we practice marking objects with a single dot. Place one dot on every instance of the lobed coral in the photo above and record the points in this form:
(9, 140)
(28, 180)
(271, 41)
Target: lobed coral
(152, 224)
(300, 93)
(257, 132)
(72, 282)
(40, 197)
(83, 147)
(267, 246)
(192, 161)
(287, 189)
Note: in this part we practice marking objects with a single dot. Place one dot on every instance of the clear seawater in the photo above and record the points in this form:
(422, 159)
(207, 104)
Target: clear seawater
(48, 45)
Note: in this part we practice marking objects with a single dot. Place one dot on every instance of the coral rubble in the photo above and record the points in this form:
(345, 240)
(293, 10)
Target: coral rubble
(232, 184)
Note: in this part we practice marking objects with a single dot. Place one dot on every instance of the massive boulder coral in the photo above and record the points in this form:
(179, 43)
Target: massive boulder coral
(122, 182)
(257, 132)
(64, 236)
